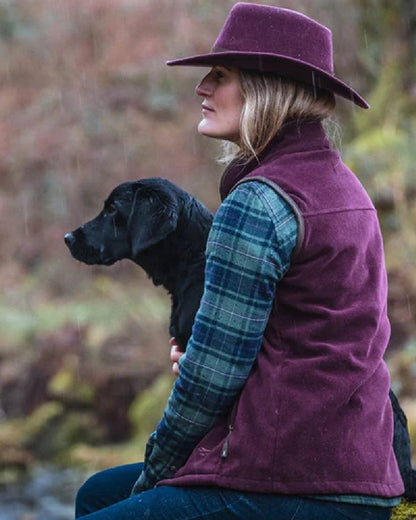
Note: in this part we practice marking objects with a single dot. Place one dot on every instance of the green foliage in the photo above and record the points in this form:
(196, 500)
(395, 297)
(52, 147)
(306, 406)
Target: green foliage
(385, 136)
(403, 370)
(51, 431)
(382, 152)
(40, 419)
(378, 154)
(404, 511)
(67, 386)
(147, 409)
(106, 306)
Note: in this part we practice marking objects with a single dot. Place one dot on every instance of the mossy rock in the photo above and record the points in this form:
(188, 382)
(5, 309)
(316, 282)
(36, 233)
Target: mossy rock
(147, 409)
(65, 386)
(40, 420)
(404, 511)
(51, 431)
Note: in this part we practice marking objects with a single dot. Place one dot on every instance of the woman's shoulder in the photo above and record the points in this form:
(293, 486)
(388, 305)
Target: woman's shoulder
(261, 195)
(260, 190)
(255, 203)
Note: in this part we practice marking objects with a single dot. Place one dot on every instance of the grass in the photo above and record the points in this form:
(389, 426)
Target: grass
(105, 304)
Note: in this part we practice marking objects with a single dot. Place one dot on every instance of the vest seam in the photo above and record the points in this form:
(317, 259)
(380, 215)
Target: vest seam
(335, 211)
(287, 198)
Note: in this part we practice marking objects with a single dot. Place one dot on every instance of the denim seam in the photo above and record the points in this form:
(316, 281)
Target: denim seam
(297, 510)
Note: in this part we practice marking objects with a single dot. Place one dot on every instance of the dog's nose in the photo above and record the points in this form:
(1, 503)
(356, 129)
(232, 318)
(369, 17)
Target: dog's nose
(69, 239)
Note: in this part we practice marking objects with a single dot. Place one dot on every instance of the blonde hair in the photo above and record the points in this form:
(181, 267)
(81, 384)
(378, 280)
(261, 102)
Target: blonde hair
(269, 101)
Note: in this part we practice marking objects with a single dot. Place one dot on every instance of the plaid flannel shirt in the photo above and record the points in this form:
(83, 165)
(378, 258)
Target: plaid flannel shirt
(248, 251)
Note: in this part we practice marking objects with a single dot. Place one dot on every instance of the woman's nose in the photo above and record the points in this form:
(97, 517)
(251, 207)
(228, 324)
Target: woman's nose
(204, 88)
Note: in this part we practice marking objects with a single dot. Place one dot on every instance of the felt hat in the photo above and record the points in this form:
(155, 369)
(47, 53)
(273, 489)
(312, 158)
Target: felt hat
(281, 41)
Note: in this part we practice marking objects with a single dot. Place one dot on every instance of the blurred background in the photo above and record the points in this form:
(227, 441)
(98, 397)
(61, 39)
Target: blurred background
(86, 102)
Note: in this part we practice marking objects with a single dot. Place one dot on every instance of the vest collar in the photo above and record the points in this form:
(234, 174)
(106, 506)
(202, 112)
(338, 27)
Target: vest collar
(295, 136)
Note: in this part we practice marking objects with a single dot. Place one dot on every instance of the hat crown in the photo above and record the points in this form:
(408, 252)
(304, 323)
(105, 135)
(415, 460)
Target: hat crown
(278, 41)
(265, 29)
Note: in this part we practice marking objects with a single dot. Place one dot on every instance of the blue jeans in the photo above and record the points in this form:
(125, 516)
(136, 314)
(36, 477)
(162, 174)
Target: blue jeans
(106, 496)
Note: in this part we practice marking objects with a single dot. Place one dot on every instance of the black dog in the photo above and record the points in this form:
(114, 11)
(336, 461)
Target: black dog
(160, 227)
(164, 230)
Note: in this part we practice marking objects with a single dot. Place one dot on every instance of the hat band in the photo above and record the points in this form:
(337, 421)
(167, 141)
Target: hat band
(217, 50)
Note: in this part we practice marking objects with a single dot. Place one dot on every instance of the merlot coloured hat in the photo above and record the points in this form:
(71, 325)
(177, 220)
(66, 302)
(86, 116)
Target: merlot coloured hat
(276, 40)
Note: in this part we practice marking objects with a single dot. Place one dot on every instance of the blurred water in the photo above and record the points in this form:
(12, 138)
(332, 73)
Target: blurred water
(48, 494)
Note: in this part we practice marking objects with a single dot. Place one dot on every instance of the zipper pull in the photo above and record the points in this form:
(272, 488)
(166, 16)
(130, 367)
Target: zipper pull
(224, 452)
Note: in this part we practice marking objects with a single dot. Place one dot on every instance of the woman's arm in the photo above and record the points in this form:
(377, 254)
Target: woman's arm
(248, 251)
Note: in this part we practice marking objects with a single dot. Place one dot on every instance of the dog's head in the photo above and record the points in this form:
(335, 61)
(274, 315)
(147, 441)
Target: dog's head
(136, 216)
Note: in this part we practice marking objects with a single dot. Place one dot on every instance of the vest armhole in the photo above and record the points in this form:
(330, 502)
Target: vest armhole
(289, 200)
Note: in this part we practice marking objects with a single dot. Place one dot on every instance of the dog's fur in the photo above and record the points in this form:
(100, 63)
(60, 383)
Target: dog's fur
(163, 229)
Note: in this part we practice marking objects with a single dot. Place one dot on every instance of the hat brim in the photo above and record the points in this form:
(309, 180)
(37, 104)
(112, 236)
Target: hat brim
(291, 68)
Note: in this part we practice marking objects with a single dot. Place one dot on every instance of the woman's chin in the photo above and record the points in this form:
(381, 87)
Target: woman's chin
(203, 129)
(206, 131)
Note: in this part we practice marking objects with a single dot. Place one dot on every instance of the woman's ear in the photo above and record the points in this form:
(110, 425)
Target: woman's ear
(153, 216)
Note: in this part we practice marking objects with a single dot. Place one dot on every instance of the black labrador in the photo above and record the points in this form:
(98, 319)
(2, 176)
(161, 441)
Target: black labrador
(163, 229)
(160, 227)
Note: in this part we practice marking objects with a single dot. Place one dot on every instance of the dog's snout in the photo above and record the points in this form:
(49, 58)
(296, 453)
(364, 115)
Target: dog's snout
(69, 239)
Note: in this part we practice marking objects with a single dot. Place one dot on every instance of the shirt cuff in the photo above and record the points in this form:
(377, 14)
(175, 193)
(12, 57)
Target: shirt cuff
(156, 467)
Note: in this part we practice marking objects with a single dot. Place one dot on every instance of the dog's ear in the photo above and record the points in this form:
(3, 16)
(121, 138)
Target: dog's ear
(154, 215)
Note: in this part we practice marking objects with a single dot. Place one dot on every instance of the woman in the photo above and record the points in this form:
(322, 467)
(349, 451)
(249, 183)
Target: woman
(281, 406)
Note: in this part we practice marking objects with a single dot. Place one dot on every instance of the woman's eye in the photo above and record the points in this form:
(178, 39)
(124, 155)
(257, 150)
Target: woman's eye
(217, 74)
(111, 210)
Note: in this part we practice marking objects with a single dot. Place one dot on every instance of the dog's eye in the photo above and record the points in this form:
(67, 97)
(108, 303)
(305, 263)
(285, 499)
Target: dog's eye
(111, 210)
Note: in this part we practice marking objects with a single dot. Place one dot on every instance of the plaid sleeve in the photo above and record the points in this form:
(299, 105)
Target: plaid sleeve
(248, 251)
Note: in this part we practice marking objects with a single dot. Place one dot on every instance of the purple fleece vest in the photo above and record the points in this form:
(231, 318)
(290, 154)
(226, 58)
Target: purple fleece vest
(314, 416)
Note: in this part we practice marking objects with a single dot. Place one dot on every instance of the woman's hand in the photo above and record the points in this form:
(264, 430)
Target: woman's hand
(175, 354)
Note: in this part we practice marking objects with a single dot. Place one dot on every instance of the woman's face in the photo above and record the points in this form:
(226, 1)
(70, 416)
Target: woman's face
(222, 104)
